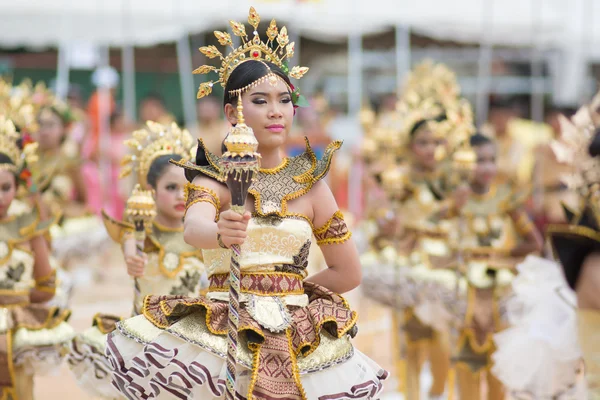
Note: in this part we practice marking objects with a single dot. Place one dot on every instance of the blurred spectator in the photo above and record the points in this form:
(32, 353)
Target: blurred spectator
(152, 108)
(510, 151)
(102, 78)
(212, 127)
(106, 190)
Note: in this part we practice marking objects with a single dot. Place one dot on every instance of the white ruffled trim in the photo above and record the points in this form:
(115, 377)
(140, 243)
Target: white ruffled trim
(540, 354)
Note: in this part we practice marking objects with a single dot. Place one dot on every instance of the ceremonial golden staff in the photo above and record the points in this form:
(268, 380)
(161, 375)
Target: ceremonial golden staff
(140, 211)
(239, 164)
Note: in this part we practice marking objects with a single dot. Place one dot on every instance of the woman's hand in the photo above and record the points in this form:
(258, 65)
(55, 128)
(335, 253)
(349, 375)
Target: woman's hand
(136, 264)
(232, 227)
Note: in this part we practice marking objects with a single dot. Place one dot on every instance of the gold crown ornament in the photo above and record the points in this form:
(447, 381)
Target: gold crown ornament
(572, 146)
(276, 50)
(21, 151)
(151, 142)
(16, 104)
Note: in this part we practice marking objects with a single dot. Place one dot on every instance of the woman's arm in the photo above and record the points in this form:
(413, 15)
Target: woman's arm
(531, 239)
(42, 271)
(208, 216)
(79, 184)
(343, 273)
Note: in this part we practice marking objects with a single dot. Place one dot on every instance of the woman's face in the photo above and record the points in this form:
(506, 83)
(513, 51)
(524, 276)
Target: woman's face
(169, 193)
(423, 147)
(8, 189)
(269, 111)
(486, 169)
(51, 132)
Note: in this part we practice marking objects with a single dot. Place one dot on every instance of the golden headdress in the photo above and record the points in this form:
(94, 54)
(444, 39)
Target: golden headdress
(431, 94)
(151, 142)
(16, 104)
(276, 50)
(21, 151)
(572, 147)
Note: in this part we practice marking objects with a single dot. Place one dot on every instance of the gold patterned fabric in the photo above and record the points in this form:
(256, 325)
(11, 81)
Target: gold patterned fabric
(273, 188)
(334, 231)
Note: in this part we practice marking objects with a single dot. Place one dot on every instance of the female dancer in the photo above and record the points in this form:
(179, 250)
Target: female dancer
(168, 265)
(492, 234)
(294, 332)
(32, 335)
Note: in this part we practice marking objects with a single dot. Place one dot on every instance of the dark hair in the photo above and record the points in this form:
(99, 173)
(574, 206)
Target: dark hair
(4, 159)
(421, 123)
(479, 139)
(158, 166)
(247, 73)
(242, 76)
(594, 148)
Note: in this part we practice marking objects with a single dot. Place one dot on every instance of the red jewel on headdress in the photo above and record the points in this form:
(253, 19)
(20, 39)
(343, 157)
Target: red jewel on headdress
(27, 139)
(25, 174)
(255, 54)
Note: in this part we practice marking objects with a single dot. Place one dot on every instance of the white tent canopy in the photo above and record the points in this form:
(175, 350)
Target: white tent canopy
(147, 22)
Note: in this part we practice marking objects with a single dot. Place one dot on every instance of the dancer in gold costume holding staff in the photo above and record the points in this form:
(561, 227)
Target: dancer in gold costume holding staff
(490, 236)
(167, 265)
(294, 331)
(32, 335)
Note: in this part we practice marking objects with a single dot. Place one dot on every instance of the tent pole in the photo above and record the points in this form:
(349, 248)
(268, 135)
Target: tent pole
(354, 74)
(186, 80)
(485, 62)
(403, 60)
(128, 66)
(62, 68)
(104, 111)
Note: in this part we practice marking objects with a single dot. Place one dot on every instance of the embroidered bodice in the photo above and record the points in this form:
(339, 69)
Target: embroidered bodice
(277, 239)
(174, 267)
(273, 244)
(420, 208)
(16, 259)
(488, 226)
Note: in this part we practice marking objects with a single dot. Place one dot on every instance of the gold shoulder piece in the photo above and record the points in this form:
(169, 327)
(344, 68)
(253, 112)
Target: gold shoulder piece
(324, 164)
(31, 225)
(212, 170)
(116, 229)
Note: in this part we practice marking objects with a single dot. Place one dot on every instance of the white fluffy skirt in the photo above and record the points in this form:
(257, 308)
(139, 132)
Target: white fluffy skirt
(386, 279)
(150, 363)
(78, 238)
(539, 356)
(90, 366)
(41, 351)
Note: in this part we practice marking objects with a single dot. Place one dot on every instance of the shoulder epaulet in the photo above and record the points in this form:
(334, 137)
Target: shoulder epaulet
(212, 170)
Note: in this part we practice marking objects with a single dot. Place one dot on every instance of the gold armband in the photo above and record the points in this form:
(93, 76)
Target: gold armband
(46, 283)
(196, 194)
(334, 231)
